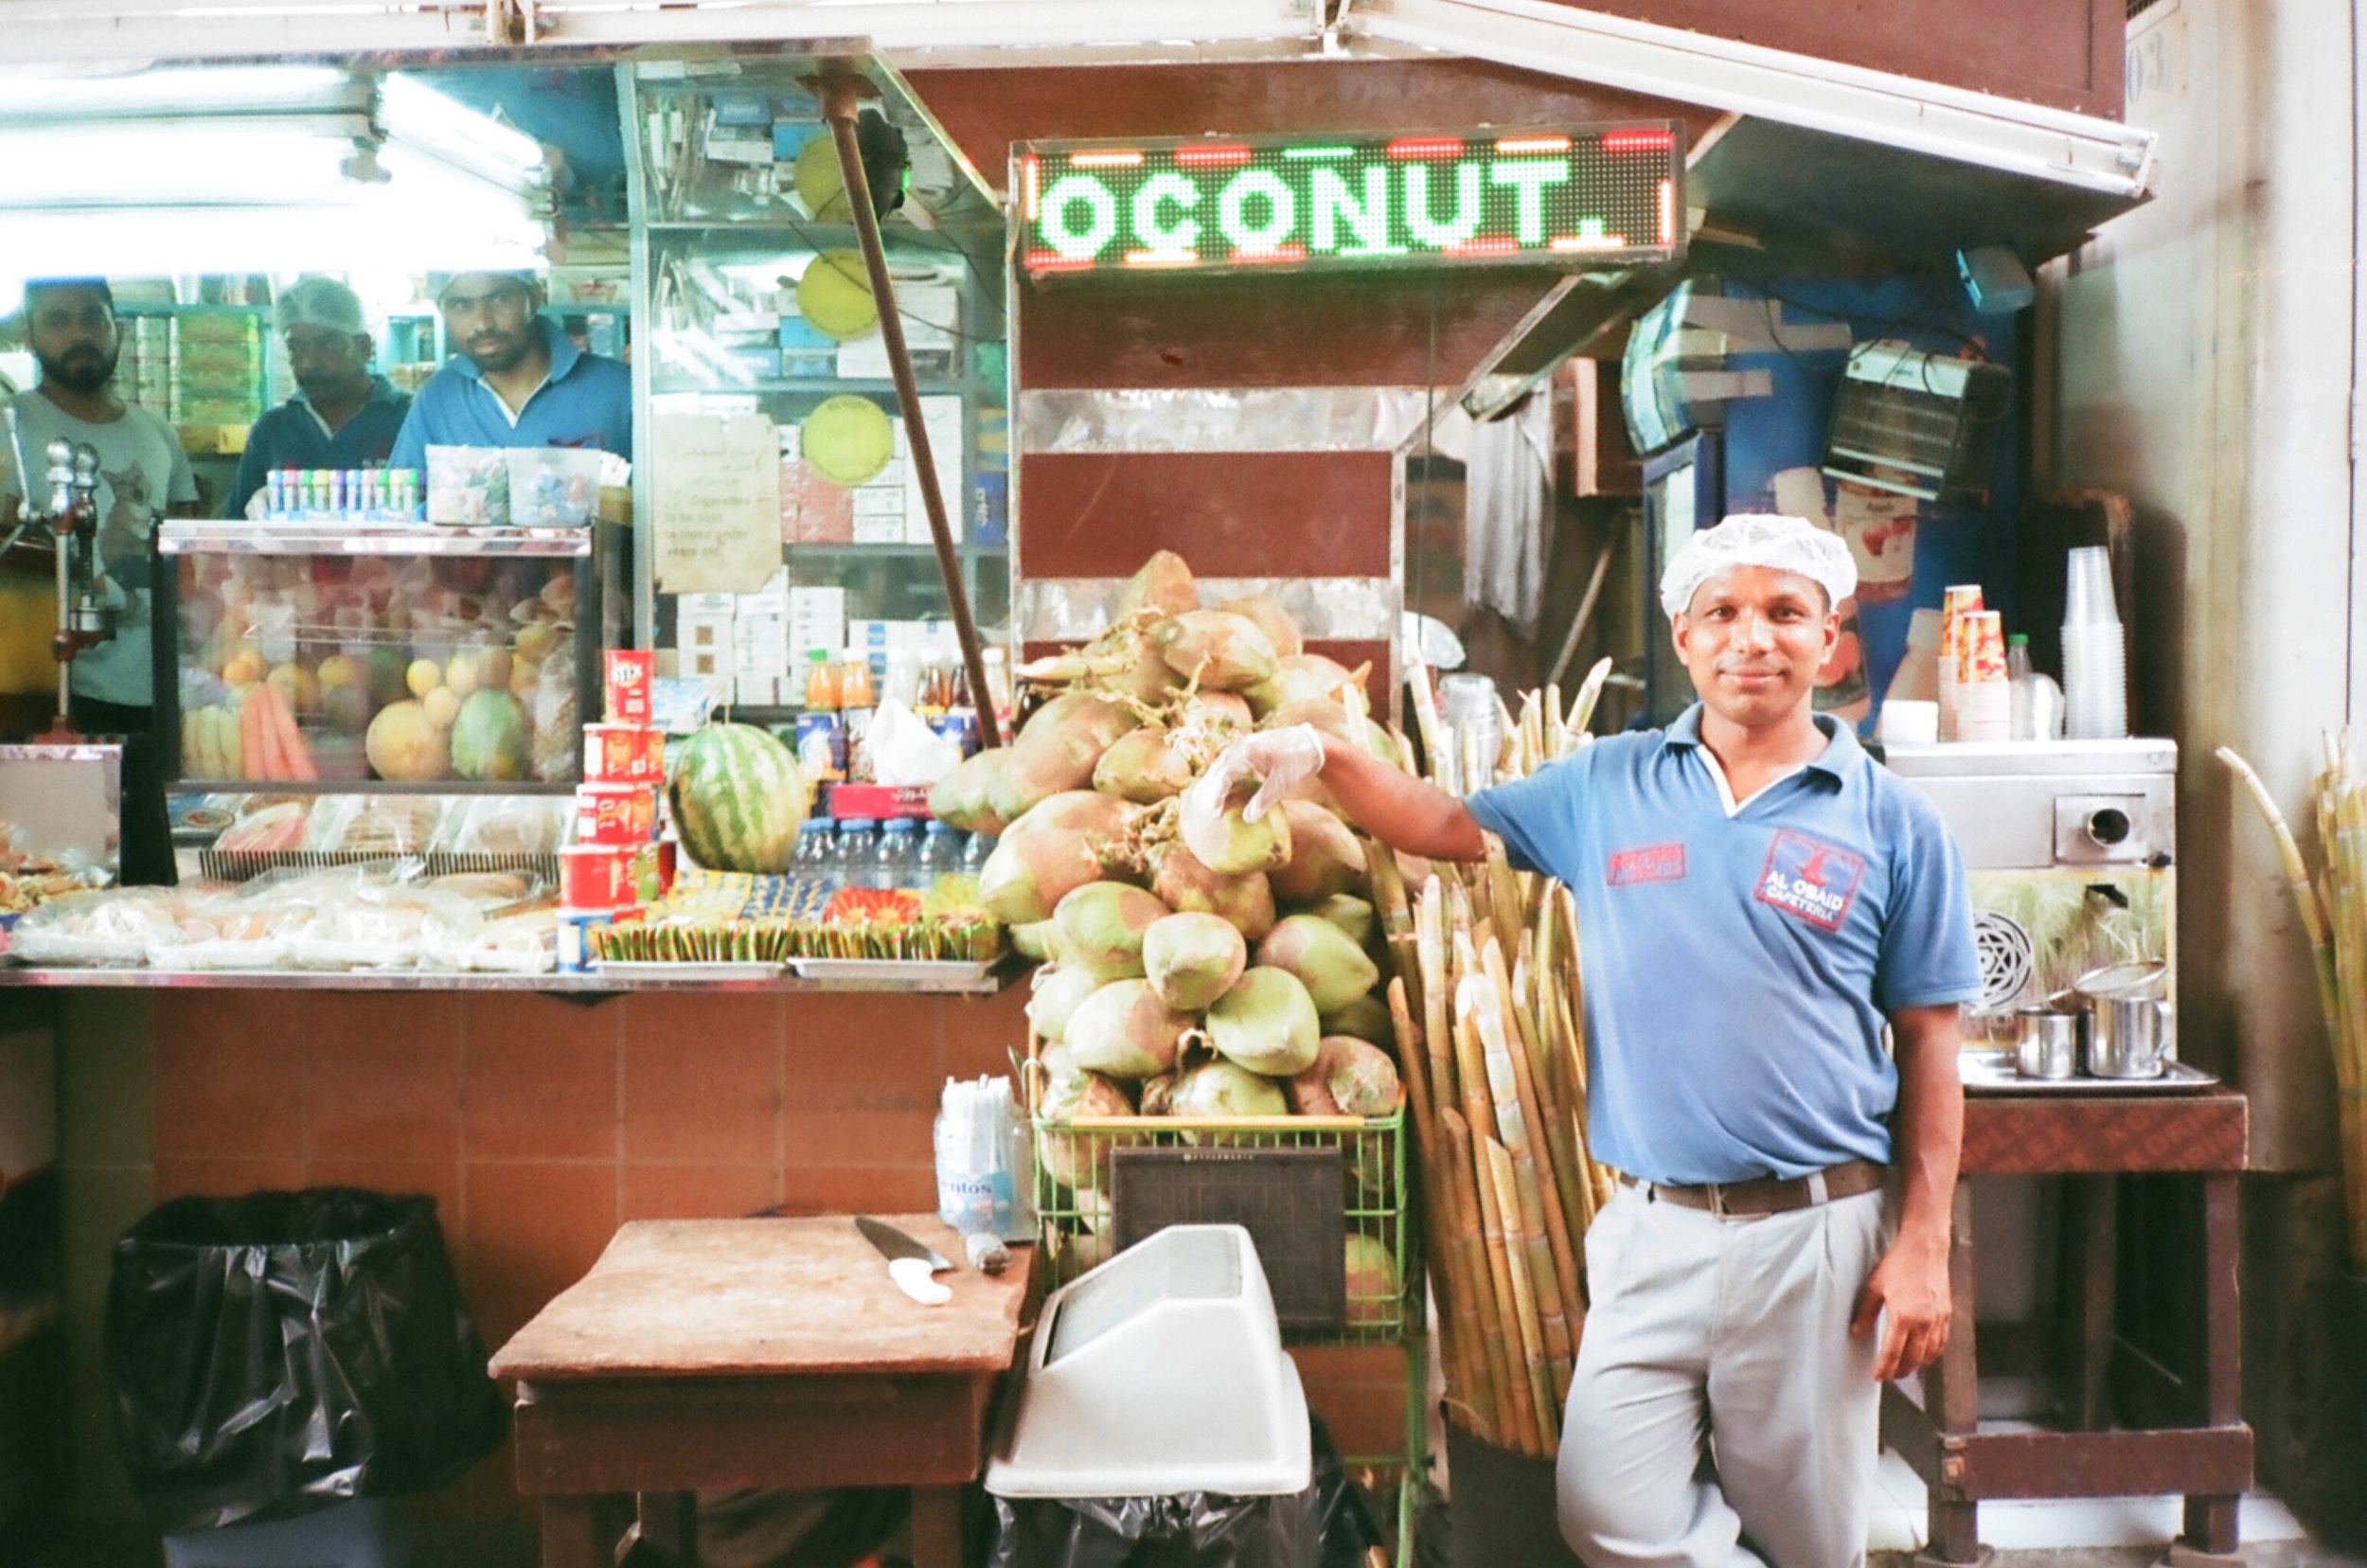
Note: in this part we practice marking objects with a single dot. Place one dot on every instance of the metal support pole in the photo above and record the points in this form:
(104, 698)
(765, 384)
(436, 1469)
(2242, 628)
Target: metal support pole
(839, 105)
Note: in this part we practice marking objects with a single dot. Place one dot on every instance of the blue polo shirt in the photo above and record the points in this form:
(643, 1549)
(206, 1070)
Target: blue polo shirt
(292, 437)
(1738, 969)
(587, 401)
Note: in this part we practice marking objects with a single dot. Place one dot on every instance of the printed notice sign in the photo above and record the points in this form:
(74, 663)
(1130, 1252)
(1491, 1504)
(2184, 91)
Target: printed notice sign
(715, 485)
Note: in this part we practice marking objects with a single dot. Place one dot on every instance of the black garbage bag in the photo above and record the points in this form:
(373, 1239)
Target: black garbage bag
(1330, 1524)
(283, 1351)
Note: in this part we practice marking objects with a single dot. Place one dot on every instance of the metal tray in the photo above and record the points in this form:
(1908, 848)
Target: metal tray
(652, 969)
(1993, 1072)
(893, 970)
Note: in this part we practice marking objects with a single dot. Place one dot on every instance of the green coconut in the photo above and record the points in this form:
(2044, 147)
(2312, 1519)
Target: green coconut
(1143, 767)
(1163, 583)
(1126, 660)
(1184, 882)
(1330, 717)
(1038, 940)
(1373, 1283)
(1125, 1031)
(1080, 1160)
(1192, 958)
(1325, 857)
(1047, 854)
(1057, 993)
(1222, 707)
(1158, 1095)
(1217, 1091)
(1101, 926)
(966, 799)
(1266, 1022)
(1348, 1078)
(1063, 739)
(1352, 915)
(1222, 651)
(1280, 630)
(1366, 1018)
(1301, 677)
(1334, 969)
(1229, 843)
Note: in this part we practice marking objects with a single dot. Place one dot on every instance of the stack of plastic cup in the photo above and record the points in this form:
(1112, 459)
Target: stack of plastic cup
(1983, 695)
(2095, 674)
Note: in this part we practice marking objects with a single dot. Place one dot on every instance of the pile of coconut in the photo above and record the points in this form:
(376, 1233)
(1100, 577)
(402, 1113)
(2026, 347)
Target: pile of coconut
(1200, 968)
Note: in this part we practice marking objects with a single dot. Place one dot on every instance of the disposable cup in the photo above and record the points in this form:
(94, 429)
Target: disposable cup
(1979, 648)
(2087, 588)
(1985, 711)
(2095, 683)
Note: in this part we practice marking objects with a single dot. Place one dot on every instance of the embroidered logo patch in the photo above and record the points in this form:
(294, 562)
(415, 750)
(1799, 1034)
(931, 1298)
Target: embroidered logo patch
(1649, 862)
(1810, 878)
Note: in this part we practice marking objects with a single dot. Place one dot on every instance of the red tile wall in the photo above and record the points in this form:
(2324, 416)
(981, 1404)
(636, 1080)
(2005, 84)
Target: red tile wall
(539, 1124)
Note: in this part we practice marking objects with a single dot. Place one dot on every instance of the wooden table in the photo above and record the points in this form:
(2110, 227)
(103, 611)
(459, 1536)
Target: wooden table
(719, 1354)
(2093, 1138)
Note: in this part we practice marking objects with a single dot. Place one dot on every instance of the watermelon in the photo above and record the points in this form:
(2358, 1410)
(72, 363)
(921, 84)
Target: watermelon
(489, 737)
(739, 799)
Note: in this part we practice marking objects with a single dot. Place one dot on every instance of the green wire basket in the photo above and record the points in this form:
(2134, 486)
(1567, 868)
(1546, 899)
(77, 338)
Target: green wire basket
(1074, 1221)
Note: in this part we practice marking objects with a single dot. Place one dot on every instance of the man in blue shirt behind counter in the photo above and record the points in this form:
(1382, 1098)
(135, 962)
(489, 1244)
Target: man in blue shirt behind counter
(342, 417)
(518, 379)
(1756, 900)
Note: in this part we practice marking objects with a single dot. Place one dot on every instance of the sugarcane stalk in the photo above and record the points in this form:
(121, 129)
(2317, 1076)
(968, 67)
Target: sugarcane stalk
(1549, 1220)
(1525, 1311)
(2304, 901)
(1474, 1303)
(1590, 692)
(1518, 1417)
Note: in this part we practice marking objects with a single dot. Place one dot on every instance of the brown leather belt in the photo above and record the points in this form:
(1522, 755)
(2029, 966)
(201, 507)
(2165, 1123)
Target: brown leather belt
(1766, 1194)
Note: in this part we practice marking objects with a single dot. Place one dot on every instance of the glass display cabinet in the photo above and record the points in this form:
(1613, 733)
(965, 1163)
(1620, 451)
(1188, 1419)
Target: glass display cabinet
(755, 301)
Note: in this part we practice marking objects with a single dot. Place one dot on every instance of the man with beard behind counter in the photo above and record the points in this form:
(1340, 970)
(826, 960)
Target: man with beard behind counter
(143, 474)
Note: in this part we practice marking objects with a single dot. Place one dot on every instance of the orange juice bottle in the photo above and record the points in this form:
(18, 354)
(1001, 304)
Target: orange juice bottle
(821, 681)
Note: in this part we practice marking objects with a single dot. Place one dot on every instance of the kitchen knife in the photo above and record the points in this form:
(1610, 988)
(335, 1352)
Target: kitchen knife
(910, 1264)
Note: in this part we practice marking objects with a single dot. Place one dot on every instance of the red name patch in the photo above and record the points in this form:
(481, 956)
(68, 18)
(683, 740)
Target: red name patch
(1649, 862)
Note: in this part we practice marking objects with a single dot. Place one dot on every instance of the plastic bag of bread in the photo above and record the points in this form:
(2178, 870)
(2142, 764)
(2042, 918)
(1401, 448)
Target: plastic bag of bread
(390, 825)
(523, 940)
(505, 825)
(248, 925)
(382, 925)
(113, 927)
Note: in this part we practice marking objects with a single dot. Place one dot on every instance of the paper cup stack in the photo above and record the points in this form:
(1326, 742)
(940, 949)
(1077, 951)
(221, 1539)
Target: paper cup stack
(1962, 600)
(1985, 706)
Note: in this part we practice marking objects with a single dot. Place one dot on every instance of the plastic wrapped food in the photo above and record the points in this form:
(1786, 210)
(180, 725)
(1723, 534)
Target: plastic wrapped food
(383, 926)
(274, 830)
(377, 824)
(467, 486)
(553, 487)
(558, 731)
(522, 942)
(112, 927)
(505, 825)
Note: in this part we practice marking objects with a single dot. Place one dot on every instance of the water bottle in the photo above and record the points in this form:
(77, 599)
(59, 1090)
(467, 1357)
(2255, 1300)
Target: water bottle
(811, 857)
(975, 848)
(939, 855)
(893, 864)
(857, 843)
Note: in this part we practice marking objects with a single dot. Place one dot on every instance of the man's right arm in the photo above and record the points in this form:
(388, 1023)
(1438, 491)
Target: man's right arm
(1398, 809)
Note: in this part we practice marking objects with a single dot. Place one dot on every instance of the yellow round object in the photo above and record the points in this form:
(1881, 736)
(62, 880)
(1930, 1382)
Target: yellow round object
(834, 296)
(423, 677)
(818, 183)
(460, 674)
(443, 706)
(847, 440)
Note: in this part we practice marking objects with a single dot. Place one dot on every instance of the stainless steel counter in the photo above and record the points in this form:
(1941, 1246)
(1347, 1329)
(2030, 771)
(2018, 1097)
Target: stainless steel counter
(427, 980)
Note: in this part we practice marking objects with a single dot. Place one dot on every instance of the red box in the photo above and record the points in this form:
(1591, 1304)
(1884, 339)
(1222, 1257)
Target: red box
(616, 814)
(878, 801)
(630, 672)
(624, 754)
(596, 876)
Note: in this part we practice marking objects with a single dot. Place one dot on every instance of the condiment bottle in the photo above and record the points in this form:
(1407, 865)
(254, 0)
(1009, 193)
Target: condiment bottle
(856, 703)
(821, 681)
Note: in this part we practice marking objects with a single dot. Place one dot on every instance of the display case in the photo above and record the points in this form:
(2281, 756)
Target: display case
(353, 658)
(754, 301)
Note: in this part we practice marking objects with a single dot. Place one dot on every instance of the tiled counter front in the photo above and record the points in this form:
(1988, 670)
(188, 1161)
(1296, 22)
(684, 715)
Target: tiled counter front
(539, 1124)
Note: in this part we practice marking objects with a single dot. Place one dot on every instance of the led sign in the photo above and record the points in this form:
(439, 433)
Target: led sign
(1595, 194)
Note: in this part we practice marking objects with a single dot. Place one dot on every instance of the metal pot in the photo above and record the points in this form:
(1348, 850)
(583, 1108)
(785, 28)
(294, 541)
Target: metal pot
(2132, 1027)
(2046, 1043)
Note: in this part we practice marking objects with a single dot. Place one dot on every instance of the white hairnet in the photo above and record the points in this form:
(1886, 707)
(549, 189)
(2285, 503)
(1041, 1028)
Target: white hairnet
(321, 302)
(1759, 539)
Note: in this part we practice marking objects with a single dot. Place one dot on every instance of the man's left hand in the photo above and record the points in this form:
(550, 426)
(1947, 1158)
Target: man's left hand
(1912, 1282)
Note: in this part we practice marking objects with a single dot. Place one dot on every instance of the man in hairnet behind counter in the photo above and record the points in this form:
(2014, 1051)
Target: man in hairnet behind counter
(516, 380)
(342, 415)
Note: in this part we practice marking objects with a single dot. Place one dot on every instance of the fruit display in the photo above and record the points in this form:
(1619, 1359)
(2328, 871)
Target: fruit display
(411, 671)
(738, 799)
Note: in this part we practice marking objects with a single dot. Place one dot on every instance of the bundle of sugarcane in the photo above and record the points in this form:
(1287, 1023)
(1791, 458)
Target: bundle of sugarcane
(1493, 1058)
(2333, 909)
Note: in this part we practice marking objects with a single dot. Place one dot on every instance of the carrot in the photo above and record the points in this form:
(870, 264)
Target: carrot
(274, 752)
(292, 751)
(253, 761)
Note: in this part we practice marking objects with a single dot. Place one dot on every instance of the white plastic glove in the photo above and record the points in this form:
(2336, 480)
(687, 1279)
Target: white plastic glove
(1281, 759)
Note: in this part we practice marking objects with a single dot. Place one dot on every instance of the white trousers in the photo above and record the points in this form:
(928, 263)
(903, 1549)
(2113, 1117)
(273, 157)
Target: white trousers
(1725, 1341)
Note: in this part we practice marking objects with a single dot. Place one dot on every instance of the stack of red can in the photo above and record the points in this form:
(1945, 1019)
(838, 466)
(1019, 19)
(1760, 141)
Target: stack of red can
(617, 861)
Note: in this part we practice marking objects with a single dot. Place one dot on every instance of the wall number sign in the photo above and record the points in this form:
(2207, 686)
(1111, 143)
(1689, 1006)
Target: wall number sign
(1568, 197)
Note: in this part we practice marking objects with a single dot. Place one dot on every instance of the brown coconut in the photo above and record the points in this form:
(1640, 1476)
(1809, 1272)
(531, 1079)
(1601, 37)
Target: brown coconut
(1222, 650)
(1125, 1031)
(1143, 767)
(1101, 926)
(1271, 619)
(1047, 854)
(1183, 883)
(1191, 959)
(1163, 583)
(1080, 1160)
(1348, 1078)
(1325, 857)
(1227, 706)
(1066, 736)
(1266, 1022)
(1334, 969)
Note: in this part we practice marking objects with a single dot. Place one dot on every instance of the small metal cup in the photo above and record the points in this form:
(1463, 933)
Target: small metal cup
(2046, 1043)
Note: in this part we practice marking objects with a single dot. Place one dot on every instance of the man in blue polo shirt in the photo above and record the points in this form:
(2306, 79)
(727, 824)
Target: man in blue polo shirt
(517, 381)
(342, 417)
(1758, 899)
